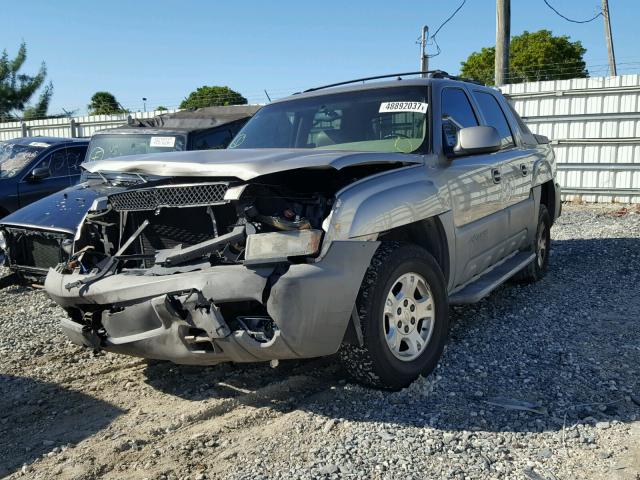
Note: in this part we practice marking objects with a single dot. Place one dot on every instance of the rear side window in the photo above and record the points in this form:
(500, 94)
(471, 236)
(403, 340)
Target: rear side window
(457, 113)
(494, 116)
(75, 156)
(519, 121)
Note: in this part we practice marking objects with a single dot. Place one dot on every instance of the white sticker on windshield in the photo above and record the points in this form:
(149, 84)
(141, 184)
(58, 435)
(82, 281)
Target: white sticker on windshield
(162, 142)
(390, 107)
(39, 144)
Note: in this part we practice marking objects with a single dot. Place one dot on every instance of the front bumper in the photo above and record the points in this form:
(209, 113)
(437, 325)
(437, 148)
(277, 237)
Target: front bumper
(153, 316)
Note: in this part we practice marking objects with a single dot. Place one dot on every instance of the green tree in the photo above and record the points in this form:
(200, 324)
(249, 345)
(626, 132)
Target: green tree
(39, 110)
(16, 89)
(213, 97)
(161, 108)
(104, 103)
(532, 56)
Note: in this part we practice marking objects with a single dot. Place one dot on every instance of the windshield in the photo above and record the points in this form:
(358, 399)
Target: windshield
(103, 147)
(381, 120)
(14, 157)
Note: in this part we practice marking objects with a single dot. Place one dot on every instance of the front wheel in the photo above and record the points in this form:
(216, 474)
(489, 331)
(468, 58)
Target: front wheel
(403, 310)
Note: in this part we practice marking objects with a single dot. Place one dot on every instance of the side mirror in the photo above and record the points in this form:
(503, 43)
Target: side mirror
(475, 140)
(39, 173)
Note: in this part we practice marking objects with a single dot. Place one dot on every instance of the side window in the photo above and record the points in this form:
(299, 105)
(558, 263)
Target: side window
(457, 113)
(521, 124)
(57, 163)
(494, 116)
(75, 156)
(217, 139)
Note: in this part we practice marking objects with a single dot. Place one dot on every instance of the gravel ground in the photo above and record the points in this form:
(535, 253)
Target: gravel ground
(538, 382)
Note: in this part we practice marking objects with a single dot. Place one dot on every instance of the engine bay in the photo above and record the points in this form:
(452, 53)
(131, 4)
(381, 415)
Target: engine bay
(176, 226)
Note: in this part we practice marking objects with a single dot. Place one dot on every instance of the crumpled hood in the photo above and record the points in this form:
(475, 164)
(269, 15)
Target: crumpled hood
(244, 164)
(61, 211)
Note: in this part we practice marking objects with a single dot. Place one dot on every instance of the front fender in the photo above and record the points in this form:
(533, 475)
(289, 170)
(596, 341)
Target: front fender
(384, 202)
(544, 169)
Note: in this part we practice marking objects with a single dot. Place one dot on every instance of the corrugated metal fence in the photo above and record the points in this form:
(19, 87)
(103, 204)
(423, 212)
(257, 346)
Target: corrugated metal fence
(594, 125)
(69, 127)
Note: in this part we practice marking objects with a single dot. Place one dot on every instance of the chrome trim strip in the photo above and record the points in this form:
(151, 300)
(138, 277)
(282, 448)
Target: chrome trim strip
(37, 227)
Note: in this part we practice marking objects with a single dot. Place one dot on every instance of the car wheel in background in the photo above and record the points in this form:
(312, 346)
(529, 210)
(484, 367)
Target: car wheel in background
(541, 247)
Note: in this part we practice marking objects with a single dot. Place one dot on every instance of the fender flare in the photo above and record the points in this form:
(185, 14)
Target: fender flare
(384, 202)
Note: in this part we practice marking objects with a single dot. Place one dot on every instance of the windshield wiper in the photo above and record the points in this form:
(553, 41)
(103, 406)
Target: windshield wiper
(104, 179)
(142, 179)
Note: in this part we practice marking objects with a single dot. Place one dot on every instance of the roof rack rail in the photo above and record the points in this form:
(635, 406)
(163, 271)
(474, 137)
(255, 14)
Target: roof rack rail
(429, 73)
(442, 74)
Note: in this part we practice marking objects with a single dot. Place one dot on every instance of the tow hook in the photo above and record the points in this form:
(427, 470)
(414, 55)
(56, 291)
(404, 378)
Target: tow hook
(205, 315)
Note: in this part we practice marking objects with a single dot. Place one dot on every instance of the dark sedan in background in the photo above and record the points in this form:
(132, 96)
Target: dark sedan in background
(33, 167)
(42, 235)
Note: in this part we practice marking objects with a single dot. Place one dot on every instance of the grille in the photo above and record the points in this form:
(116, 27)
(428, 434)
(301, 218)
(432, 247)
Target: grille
(29, 249)
(172, 196)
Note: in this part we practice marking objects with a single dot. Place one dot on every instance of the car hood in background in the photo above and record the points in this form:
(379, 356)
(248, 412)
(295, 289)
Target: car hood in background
(62, 211)
(244, 164)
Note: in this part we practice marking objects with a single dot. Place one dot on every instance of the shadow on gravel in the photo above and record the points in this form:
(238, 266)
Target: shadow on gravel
(37, 417)
(567, 348)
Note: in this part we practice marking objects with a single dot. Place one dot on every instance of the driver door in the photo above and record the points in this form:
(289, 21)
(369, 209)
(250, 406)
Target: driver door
(30, 189)
(475, 186)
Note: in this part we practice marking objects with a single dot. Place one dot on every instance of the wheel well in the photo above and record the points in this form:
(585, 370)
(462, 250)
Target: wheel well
(548, 198)
(428, 234)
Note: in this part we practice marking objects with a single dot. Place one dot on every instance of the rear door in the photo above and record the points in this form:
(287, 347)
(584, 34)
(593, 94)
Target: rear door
(30, 190)
(475, 186)
(518, 166)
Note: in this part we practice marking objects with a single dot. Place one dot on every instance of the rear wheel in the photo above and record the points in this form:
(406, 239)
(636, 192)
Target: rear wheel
(541, 246)
(403, 310)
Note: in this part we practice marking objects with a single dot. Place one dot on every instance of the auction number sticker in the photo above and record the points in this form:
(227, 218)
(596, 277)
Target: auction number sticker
(392, 107)
(162, 142)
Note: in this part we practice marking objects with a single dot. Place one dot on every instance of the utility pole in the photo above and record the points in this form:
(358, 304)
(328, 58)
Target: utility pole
(607, 34)
(503, 36)
(424, 60)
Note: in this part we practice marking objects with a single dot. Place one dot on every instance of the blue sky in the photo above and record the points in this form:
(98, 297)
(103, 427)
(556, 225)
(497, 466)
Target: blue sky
(162, 50)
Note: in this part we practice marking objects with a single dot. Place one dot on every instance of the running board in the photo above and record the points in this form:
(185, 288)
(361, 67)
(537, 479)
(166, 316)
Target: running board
(486, 283)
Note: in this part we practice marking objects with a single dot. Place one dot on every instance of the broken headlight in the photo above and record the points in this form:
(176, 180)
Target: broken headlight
(279, 246)
(3, 241)
(67, 246)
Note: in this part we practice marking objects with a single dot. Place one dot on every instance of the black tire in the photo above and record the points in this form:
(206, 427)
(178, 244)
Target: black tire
(374, 364)
(538, 268)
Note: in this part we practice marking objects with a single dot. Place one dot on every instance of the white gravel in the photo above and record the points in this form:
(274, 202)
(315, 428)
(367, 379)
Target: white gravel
(537, 382)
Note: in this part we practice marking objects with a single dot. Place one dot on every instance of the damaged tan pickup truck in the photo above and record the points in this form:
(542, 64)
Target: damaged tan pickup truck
(342, 219)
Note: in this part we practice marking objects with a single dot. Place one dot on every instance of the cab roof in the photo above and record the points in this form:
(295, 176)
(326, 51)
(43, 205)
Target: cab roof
(435, 77)
(186, 121)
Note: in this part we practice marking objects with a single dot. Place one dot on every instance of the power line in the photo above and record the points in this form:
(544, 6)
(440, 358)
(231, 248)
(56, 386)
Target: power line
(448, 19)
(599, 14)
(433, 36)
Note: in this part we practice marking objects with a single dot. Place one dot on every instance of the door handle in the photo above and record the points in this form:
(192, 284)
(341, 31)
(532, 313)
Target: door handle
(524, 169)
(495, 173)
